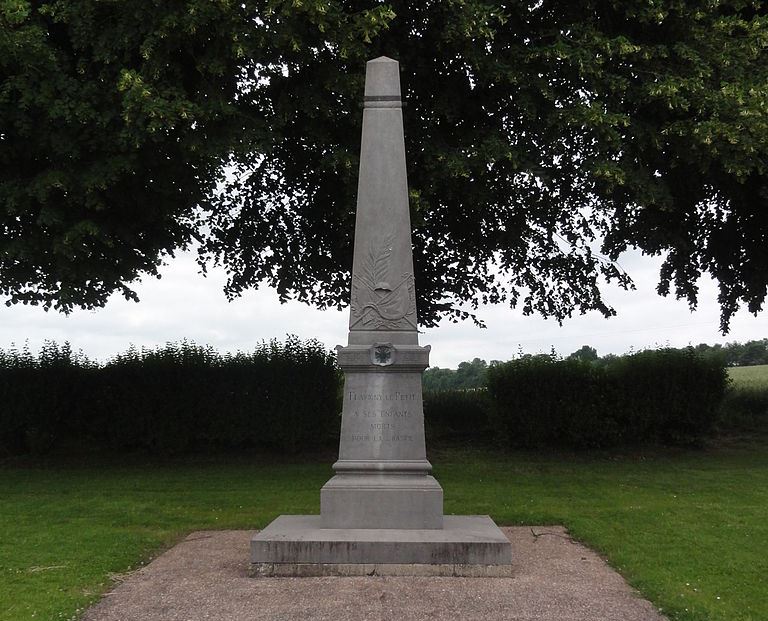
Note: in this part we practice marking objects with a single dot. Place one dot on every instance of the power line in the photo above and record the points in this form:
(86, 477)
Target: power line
(617, 332)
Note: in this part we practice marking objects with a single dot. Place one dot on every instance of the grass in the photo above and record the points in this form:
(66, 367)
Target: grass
(688, 529)
(750, 377)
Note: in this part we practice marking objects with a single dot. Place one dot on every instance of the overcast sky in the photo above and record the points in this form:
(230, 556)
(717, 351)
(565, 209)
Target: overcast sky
(184, 304)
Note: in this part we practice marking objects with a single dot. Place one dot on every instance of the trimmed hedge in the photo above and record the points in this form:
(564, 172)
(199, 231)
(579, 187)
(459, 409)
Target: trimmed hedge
(41, 397)
(287, 397)
(746, 409)
(457, 416)
(668, 396)
(282, 396)
(541, 401)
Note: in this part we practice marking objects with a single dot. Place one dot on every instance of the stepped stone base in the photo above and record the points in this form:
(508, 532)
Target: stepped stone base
(297, 545)
(371, 501)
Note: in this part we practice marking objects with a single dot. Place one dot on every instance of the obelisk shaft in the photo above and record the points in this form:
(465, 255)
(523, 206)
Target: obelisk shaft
(383, 291)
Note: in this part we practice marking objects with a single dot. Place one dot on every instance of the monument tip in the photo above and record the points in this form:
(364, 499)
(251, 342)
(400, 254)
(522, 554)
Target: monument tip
(382, 59)
(382, 77)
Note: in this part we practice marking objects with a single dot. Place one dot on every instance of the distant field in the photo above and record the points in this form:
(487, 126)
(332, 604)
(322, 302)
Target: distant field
(752, 377)
(745, 408)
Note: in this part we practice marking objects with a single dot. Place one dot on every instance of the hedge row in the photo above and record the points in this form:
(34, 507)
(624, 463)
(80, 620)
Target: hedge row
(745, 409)
(286, 396)
(457, 417)
(180, 397)
(667, 396)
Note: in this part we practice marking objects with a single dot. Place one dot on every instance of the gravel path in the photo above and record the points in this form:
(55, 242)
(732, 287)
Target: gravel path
(204, 578)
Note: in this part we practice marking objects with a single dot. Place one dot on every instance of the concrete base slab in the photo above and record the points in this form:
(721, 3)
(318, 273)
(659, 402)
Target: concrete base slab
(464, 546)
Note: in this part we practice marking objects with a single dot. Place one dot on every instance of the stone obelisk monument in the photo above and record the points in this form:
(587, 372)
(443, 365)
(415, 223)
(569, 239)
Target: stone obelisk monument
(382, 512)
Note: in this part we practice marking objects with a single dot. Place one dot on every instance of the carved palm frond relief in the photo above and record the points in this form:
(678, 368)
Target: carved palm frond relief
(377, 261)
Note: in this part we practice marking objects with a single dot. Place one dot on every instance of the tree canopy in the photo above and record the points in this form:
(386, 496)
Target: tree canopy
(468, 376)
(543, 140)
(585, 353)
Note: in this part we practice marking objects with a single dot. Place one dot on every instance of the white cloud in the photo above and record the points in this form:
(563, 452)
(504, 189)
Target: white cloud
(184, 304)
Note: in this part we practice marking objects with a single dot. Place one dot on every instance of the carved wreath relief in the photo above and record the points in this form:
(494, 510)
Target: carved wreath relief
(376, 302)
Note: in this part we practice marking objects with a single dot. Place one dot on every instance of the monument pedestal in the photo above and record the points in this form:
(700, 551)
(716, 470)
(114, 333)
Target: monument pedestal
(382, 512)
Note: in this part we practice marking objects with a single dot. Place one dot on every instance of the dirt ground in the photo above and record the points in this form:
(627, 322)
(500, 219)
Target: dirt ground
(204, 578)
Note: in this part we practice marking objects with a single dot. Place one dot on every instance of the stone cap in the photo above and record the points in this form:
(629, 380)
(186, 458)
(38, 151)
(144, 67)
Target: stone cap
(382, 80)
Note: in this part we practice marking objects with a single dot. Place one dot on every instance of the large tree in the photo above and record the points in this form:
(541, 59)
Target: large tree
(544, 139)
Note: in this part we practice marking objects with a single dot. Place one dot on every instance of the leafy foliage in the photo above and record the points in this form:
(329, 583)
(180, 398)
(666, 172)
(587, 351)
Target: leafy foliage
(467, 376)
(457, 406)
(667, 395)
(176, 398)
(541, 401)
(735, 354)
(533, 130)
(457, 416)
(585, 353)
(544, 139)
(40, 397)
(184, 397)
(114, 119)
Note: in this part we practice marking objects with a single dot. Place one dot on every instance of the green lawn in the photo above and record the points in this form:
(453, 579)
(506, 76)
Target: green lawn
(688, 529)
